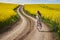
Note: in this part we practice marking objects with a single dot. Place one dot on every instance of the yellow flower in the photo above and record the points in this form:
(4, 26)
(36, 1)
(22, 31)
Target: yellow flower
(6, 11)
(51, 11)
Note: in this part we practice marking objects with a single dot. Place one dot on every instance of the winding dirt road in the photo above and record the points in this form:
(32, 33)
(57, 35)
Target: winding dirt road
(26, 29)
(20, 28)
(45, 33)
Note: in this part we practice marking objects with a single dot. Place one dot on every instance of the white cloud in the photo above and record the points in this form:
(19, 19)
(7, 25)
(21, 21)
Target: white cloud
(17, 1)
(51, 0)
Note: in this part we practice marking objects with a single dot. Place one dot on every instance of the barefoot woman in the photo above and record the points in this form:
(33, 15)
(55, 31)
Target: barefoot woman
(39, 24)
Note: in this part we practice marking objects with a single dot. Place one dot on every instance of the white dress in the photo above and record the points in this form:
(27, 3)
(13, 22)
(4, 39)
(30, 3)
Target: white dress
(38, 22)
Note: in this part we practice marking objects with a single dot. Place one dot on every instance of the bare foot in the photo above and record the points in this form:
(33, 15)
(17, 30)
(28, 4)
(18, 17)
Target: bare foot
(39, 29)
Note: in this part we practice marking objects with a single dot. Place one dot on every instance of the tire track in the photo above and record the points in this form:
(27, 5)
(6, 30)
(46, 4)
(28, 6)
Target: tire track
(28, 29)
(11, 35)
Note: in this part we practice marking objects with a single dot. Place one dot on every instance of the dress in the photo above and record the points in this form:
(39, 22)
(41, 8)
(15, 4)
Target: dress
(38, 17)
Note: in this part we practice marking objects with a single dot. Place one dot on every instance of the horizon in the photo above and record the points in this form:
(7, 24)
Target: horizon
(31, 1)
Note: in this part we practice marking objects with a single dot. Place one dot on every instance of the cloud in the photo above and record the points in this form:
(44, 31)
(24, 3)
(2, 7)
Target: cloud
(21, 1)
(17, 1)
(51, 0)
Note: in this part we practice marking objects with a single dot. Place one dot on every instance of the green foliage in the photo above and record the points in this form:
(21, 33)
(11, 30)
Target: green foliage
(9, 21)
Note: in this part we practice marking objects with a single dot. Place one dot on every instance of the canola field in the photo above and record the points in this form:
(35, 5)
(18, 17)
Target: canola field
(50, 13)
(7, 14)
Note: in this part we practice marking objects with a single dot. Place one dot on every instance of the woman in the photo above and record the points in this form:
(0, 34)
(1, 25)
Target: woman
(38, 16)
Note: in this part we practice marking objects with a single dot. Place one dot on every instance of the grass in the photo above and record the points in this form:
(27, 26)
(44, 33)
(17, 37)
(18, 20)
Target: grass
(50, 14)
(7, 14)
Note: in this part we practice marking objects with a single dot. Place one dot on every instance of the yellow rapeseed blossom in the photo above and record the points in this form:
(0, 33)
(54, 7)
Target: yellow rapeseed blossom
(6, 11)
(51, 11)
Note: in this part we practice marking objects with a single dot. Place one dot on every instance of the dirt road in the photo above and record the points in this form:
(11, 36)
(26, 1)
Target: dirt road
(45, 33)
(20, 28)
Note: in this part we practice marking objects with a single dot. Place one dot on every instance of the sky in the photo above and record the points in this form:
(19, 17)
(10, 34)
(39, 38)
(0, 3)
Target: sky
(32, 1)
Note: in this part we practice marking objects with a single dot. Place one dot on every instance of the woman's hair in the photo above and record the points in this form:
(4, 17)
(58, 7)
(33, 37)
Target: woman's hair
(39, 13)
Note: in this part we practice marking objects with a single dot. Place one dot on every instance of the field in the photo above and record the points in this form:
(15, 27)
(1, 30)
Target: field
(50, 14)
(7, 14)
